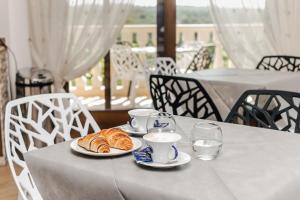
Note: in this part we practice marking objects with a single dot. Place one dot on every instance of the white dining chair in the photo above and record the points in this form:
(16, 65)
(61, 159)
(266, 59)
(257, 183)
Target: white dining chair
(161, 66)
(202, 59)
(127, 66)
(39, 121)
(166, 66)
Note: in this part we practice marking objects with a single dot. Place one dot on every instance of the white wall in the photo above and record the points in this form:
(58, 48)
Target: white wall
(14, 27)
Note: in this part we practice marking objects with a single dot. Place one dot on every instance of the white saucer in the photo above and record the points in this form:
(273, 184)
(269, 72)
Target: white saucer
(127, 128)
(183, 158)
(113, 152)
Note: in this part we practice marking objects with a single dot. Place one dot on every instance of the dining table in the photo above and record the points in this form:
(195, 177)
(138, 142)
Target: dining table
(226, 85)
(255, 163)
(153, 49)
(183, 59)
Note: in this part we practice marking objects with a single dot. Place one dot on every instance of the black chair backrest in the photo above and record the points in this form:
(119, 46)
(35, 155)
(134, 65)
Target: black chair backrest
(182, 96)
(272, 109)
(202, 59)
(280, 63)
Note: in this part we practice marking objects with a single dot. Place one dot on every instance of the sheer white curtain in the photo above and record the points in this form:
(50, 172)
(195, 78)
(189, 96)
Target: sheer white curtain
(282, 26)
(240, 26)
(68, 37)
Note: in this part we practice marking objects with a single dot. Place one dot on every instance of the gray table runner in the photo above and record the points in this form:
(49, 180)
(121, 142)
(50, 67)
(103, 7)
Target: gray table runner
(254, 164)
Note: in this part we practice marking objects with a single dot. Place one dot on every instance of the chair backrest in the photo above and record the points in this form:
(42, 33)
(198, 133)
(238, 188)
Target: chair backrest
(37, 121)
(160, 66)
(272, 109)
(124, 61)
(126, 43)
(166, 66)
(202, 59)
(182, 96)
(279, 63)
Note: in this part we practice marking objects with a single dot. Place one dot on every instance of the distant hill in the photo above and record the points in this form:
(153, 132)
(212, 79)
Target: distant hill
(185, 15)
(193, 15)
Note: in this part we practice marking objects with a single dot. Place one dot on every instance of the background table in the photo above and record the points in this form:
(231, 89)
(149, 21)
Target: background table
(255, 163)
(225, 86)
(153, 49)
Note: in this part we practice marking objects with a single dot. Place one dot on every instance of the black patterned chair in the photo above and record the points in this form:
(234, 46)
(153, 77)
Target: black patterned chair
(280, 63)
(202, 59)
(272, 109)
(182, 96)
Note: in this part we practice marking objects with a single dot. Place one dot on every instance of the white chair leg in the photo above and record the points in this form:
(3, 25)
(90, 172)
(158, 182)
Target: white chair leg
(113, 82)
(132, 92)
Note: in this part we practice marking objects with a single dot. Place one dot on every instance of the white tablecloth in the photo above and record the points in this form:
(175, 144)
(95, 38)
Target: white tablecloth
(225, 86)
(154, 49)
(255, 164)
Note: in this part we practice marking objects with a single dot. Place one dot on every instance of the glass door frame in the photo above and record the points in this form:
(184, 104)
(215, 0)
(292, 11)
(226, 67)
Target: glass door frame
(166, 41)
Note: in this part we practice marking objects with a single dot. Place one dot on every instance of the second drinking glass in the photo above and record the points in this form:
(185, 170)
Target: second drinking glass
(161, 122)
(206, 140)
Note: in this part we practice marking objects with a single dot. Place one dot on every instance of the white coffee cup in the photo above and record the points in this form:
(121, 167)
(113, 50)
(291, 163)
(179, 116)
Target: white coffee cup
(139, 117)
(163, 146)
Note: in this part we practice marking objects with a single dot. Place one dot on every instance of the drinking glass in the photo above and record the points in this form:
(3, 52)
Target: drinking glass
(206, 140)
(161, 122)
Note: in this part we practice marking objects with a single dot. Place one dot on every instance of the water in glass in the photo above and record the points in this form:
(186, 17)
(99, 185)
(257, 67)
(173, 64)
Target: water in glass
(206, 140)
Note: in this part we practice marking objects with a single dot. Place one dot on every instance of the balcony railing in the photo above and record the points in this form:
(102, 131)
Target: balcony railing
(91, 86)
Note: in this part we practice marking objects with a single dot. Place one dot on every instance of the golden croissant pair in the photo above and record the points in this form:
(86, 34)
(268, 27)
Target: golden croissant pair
(102, 141)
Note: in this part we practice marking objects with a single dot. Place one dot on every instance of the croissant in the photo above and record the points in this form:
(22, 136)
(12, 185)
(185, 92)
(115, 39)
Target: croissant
(117, 138)
(94, 142)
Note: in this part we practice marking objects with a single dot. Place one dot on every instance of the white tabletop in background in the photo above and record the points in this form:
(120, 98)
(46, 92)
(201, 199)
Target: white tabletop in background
(225, 86)
(154, 49)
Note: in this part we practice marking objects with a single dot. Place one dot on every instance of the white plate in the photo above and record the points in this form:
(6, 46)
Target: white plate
(127, 128)
(113, 152)
(183, 158)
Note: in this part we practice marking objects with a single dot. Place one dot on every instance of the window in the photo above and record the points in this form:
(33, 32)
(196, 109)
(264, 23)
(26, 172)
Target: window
(194, 29)
(139, 32)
